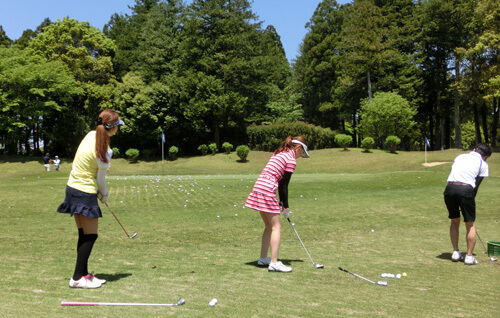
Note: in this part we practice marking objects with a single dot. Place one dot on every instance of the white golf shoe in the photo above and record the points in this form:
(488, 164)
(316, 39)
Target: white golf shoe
(84, 282)
(95, 279)
(470, 260)
(264, 261)
(279, 267)
(456, 256)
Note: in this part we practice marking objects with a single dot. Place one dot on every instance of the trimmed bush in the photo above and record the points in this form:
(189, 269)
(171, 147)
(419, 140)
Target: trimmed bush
(242, 151)
(227, 147)
(343, 140)
(203, 149)
(213, 148)
(270, 137)
(148, 153)
(172, 152)
(367, 144)
(116, 152)
(392, 142)
(132, 154)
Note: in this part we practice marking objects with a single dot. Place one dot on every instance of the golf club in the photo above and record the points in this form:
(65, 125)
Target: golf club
(130, 237)
(380, 282)
(82, 303)
(493, 259)
(293, 227)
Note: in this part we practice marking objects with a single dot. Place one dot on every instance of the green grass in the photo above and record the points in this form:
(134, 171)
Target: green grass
(196, 240)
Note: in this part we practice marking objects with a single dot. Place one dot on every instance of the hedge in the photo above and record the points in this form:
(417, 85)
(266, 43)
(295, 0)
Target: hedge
(270, 137)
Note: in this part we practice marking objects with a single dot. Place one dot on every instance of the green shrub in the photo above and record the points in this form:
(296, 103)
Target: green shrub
(343, 140)
(227, 147)
(116, 152)
(132, 154)
(367, 143)
(203, 149)
(148, 153)
(213, 148)
(270, 137)
(242, 151)
(172, 152)
(392, 142)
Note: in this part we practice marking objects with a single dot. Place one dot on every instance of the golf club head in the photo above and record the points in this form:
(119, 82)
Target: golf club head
(133, 236)
(382, 283)
(319, 266)
(493, 259)
(181, 300)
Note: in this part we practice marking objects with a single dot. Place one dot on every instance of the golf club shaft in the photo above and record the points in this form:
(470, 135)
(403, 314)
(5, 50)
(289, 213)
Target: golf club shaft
(493, 259)
(293, 227)
(482, 243)
(117, 219)
(82, 303)
(345, 270)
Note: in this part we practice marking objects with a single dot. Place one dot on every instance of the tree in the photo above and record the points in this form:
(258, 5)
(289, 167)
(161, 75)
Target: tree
(481, 59)
(228, 69)
(387, 114)
(5, 41)
(29, 34)
(316, 68)
(87, 54)
(32, 90)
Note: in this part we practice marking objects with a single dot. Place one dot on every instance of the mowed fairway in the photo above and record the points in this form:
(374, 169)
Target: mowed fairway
(370, 213)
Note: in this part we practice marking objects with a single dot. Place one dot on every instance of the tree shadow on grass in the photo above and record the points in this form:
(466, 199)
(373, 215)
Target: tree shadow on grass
(287, 262)
(113, 277)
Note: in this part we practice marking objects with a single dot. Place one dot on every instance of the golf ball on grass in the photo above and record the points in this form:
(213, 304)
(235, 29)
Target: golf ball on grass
(213, 302)
(398, 276)
(404, 274)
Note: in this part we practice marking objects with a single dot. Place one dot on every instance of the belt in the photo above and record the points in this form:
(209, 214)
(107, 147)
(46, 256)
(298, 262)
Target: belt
(460, 183)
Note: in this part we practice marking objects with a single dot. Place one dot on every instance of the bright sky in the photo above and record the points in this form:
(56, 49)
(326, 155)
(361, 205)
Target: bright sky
(289, 17)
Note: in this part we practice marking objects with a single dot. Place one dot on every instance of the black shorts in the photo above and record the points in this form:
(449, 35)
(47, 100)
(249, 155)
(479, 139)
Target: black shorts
(460, 198)
(78, 202)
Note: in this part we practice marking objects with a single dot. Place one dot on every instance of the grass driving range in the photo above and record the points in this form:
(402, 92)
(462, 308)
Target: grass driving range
(196, 241)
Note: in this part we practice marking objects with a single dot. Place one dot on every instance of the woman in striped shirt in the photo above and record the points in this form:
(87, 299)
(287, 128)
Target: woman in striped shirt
(275, 176)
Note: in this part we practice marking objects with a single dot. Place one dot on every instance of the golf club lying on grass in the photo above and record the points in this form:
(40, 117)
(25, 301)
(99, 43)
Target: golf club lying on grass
(493, 259)
(130, 237)
(293, 227)
(82, 303)
(380, 282)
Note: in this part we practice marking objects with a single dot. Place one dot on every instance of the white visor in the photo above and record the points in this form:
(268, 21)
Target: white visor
(304, 147)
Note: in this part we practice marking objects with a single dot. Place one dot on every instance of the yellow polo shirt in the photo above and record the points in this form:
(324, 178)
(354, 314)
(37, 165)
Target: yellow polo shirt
(83, 175)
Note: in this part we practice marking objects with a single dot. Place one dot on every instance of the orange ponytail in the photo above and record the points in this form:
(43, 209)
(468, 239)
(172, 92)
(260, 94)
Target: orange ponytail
(102, 139)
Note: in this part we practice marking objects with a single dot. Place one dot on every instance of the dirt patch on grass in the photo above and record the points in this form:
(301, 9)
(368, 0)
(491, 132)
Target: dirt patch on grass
(435, 163)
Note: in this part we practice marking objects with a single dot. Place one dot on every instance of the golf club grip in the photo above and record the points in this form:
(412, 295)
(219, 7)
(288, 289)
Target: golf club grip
(345, 270)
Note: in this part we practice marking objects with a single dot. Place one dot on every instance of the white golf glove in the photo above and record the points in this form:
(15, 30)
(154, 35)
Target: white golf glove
(285, 212)
(102, 197)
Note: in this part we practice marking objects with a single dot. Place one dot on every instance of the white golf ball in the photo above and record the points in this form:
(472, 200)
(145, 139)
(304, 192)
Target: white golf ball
(218, 216)
(236, 215)
(384, 275)
(213, 302)
(373, 230)
(398, 276)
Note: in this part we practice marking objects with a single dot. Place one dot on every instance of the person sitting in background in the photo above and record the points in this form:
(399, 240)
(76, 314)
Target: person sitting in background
(56, 163)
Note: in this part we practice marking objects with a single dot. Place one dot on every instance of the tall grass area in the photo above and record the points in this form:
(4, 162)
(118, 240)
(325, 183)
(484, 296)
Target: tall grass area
(370, 213)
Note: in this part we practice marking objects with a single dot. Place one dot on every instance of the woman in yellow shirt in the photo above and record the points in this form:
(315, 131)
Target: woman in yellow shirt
(86, 184)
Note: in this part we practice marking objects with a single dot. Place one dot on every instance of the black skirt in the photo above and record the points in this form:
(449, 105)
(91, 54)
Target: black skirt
(78, 202)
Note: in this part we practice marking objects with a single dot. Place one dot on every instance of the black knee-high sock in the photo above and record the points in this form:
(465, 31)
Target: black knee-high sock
(80, 239)
(83, 254)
